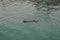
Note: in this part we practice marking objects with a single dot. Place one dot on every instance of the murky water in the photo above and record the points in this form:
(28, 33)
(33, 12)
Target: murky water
(13, 28)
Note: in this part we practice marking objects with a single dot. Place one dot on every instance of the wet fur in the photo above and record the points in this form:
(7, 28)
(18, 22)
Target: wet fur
(30, 21)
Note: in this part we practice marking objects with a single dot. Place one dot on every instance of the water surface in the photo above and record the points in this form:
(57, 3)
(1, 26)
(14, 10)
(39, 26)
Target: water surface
(13, 28)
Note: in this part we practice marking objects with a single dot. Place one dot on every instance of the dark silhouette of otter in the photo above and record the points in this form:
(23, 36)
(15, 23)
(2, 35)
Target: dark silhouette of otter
(26, 21)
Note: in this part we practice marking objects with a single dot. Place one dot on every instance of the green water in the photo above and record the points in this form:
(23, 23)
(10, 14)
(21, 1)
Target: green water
(13, 28)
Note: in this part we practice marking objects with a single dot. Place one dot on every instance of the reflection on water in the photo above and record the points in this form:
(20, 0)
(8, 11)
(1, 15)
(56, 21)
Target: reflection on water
(13, 28)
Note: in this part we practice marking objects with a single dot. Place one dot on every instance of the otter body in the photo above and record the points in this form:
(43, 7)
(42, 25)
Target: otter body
(26, 21)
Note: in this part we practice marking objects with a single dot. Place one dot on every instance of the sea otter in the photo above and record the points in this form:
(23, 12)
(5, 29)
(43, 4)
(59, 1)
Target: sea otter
(26, 21)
